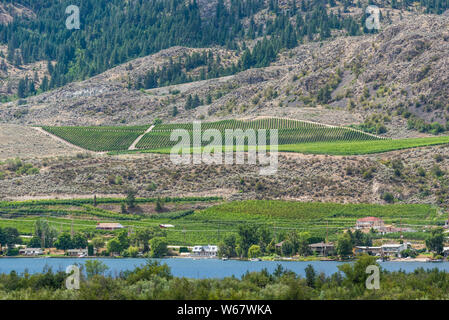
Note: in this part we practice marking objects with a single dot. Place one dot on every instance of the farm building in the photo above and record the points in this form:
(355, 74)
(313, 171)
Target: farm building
(369, 222)
(165, 226)
(109, 226)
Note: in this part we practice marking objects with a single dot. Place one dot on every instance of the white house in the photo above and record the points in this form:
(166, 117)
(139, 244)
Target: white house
(31, 251)
(394, 249)
(205, 251)
(77, 252)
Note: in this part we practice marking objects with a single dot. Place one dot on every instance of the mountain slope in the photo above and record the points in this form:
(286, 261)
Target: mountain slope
(403, 70)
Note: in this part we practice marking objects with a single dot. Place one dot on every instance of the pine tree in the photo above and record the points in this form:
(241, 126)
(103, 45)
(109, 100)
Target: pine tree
(21, 89)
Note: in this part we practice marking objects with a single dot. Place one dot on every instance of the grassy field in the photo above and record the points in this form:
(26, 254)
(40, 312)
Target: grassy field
(363, 147)
(342, 147)
(209, 225)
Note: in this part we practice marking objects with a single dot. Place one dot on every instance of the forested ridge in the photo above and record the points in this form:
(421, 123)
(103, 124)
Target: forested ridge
(113, 32)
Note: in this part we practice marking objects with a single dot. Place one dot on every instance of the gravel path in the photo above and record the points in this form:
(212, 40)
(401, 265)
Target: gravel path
(133, 145)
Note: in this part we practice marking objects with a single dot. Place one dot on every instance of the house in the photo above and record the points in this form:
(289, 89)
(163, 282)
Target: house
(31, 251)
(369, 222)
(445, 251)
(205, 251)
(109, 226)
(322, 249)
(77, 252)
(372, 251)
(394, 249)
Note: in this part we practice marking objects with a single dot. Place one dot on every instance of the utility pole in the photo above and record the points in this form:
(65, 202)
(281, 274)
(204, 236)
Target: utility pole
(184, 231)
(43, 238)
(218, 232)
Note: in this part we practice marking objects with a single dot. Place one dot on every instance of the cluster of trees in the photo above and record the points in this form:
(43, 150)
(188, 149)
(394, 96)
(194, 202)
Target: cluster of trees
(65, 241)
(9, 237)
(177, 72)
(151, 241)
(415, 123)
(348, 240)
(192, 102)
(253, 241)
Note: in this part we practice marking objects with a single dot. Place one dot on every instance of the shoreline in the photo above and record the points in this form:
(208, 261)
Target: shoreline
(216, 258)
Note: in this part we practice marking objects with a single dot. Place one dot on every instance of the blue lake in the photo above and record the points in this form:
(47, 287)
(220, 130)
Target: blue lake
(205, 268)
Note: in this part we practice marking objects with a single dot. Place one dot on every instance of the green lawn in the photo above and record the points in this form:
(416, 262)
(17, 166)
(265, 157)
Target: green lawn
(363, 147)
(342, 147)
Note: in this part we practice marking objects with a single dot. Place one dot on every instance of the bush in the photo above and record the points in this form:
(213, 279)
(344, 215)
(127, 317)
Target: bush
(12, 252)
(388, 197)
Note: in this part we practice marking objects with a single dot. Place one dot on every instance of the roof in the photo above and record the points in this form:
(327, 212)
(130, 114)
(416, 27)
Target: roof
(205, 248)
(109, 225)
(76, 250)
(279, 244)
(393, 245)
(369, 219)
(166, 226)
(321, 245)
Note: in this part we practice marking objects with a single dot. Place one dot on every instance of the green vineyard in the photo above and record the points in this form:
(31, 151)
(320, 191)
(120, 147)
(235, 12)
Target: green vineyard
(293, 136)
(99, 138)
(289, 132)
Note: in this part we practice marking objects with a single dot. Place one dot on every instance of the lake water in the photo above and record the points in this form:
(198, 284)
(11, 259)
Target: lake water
(205, 268)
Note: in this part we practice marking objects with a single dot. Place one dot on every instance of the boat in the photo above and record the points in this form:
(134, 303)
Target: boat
(255, 259)
(224, 258)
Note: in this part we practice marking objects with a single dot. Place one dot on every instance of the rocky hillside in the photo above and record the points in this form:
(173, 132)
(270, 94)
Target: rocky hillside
(411, 176)
(9, 11)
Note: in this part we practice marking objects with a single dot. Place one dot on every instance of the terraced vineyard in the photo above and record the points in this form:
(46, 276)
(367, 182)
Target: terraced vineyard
(99, 138)
(218, 218)
(289, 132)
